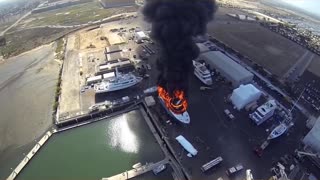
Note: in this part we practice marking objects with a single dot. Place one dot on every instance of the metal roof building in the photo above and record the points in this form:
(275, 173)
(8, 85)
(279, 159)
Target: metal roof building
(112, 49)
(228, 68)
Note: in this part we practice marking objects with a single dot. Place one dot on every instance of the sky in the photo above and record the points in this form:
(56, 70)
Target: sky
(312, 6)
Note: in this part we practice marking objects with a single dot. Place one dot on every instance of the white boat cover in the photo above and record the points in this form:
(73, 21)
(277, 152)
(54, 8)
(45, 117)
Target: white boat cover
(244, 95)
(186, 145)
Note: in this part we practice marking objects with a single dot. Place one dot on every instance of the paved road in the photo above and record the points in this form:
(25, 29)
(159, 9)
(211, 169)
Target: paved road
(124, 15)
(267, 83)
(299, 67)
(14, 24)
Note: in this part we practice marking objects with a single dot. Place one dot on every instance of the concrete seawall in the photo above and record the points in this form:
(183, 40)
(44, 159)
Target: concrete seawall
(30, 155)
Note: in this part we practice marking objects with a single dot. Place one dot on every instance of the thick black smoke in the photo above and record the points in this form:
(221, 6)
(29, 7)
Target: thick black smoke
(174, 23)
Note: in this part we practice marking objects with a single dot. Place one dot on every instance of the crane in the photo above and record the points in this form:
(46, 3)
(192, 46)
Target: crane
(301, 153)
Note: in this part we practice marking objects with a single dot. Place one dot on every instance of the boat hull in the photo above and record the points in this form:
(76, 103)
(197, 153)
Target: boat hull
(278, 131)
(206, 82)
(111, 89)
(184, 117)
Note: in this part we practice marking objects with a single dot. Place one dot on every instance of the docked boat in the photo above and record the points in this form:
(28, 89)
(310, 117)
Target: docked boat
(150, 90)
(159, 169)
(136, 166)
(278, 131)
(202, 73)
(120, 81)
(182, 117)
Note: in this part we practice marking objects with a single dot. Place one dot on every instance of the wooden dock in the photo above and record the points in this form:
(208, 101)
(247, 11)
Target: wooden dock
(136, 172)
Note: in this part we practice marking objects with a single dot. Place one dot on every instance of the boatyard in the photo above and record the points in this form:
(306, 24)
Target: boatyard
(227, 122)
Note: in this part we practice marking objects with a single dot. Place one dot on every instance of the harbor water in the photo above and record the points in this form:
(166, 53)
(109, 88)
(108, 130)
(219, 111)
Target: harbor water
(100, 149)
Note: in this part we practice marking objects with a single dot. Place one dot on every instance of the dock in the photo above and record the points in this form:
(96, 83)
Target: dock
(136, 172)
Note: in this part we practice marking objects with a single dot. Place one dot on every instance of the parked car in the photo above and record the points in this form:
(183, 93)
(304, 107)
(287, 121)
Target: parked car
(234, 169)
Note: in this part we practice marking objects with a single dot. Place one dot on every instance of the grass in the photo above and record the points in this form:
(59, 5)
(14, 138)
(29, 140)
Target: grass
(73, 15)
(60, 49)
(25, 40)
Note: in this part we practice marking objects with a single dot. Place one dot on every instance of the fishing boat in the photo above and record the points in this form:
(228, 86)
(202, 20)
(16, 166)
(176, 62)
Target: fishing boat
(278, 131)
(159, 169)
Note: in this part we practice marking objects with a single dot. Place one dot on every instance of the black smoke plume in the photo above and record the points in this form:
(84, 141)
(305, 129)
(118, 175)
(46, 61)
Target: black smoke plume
(174, 23)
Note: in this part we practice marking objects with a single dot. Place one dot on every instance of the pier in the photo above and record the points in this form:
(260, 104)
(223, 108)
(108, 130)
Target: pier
(136, 172)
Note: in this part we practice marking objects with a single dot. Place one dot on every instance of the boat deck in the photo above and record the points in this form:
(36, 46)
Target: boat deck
(136, 172)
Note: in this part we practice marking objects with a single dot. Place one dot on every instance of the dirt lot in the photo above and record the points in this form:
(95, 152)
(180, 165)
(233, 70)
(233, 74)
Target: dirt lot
(21, 41)
(70, 94)
(266, 48)
(88, 37)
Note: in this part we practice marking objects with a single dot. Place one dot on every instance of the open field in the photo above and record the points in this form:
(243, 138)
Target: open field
(21, 41)
(274, 52)
(4, 25)
(72, 15)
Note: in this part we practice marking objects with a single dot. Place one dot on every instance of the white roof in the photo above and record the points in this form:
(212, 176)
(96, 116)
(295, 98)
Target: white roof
(203, 48)
(244, 95)
(312, 139)
(267, 107)
(94, 78)
(141, 34)
(186, 145)
(226, 65)
(108, 75)
(110, 66)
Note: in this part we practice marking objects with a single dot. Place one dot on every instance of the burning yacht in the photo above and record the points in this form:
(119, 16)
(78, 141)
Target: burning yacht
(176, 106)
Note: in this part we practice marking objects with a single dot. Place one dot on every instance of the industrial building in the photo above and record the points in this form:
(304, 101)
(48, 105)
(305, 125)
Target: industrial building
(111, 66)
(203, 48)
(228, 68)
(140, 35)
(117, 3)
(312, 139)
(112, 49)
(94, 79)
(114, 56)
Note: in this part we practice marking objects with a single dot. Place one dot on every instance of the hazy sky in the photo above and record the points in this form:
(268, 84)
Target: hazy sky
(312, 6)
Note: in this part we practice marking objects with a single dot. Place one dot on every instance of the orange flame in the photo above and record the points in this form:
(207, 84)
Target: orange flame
(177, 104)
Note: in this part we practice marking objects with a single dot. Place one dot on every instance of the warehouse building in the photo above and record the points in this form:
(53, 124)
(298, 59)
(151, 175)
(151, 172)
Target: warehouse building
(112, 49)
(117, 3)
(202, 48)
(228, 68)
(111, 66)
(94, 79)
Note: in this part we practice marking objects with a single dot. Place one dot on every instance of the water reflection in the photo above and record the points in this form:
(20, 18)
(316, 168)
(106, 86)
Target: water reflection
(121, 136)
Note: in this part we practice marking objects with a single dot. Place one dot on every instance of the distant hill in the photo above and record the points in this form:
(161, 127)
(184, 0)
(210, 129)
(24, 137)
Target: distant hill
(280, 4)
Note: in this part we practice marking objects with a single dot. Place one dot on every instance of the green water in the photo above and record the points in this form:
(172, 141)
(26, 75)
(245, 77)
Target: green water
(101, 149)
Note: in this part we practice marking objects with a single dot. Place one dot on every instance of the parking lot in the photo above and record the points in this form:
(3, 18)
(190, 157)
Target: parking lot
(213, 134)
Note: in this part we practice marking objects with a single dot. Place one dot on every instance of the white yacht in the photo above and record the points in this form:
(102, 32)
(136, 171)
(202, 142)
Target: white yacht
(183, 117)
(120, 81)
(202, 72)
